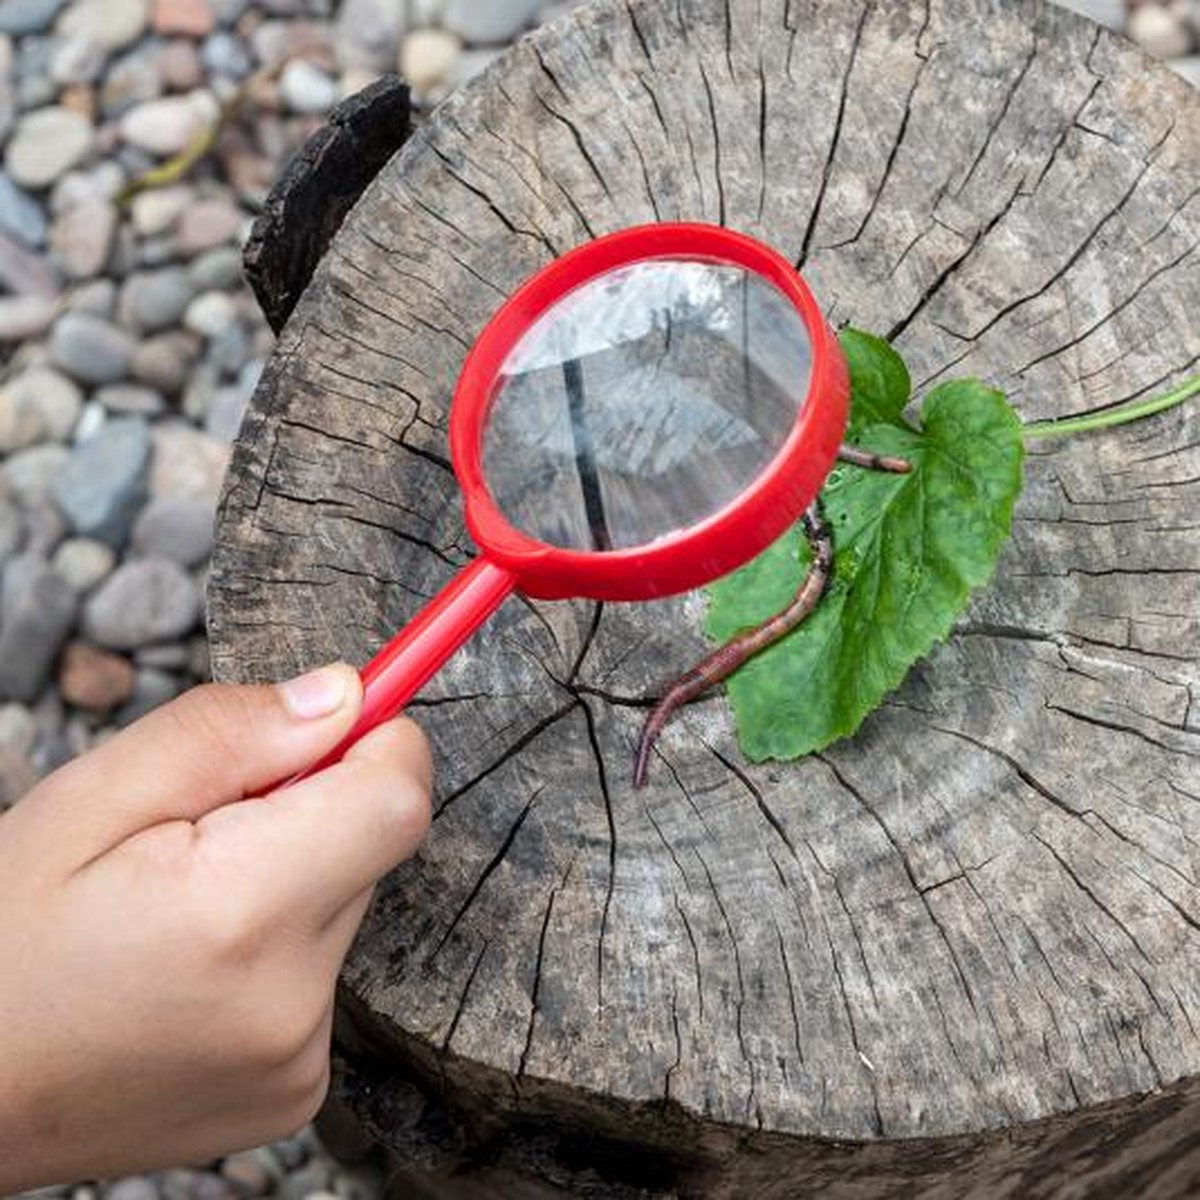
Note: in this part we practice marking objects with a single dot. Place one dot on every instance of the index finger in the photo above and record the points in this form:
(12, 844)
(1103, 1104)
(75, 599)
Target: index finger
(321, 842)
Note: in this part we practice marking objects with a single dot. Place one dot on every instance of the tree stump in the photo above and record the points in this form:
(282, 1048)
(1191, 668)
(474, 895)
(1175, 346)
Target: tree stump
(958, 955)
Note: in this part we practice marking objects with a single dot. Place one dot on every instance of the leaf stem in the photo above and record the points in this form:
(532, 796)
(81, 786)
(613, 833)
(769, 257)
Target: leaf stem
(1121, 415)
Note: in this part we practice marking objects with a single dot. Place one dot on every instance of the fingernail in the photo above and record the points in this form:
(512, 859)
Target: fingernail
(317, 694)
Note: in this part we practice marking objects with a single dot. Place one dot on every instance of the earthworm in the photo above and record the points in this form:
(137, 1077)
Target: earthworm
(721, 663)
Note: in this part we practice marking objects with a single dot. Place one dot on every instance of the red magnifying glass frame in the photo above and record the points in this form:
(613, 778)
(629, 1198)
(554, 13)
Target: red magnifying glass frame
(511, 560)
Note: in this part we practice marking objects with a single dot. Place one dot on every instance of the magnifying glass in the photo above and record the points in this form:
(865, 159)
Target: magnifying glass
(646, 414)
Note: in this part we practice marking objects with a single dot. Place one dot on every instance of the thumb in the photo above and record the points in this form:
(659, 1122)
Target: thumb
(211, 747)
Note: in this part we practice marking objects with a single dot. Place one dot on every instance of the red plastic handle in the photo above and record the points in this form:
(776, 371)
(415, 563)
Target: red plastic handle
(408, 662)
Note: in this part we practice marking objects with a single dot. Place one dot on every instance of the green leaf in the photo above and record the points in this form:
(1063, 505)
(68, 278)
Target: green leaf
(909, 549)
(880, 386)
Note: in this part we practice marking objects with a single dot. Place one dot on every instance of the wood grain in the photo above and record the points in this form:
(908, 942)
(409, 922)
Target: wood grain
(981, 912)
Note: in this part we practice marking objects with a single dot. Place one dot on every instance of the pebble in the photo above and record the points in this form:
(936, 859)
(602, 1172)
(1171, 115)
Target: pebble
(25, 317)
(82, 238)
(12, 530)
(491, 22)
(248, 1174)
(225, 414)
(21, 17)
(34, 87)
(226, 55)
(93, 419)
(145, 601)
(39, 612)
(31, 473)
(104, 484)
(37, 405)
(1159, 30)
(428, 58)
(368, 34)
(84, 563)
(91, 349)
(167, 126)
(186, 463)
(207, 224)
(151, 689)
(157, 210)
(180, 66)
(177, 529)
(192, 18)
(131, 80)
(8, 105)
(210, 314)
(152, 301)
(162, 362)
(26, 273)
(302, 1183)
(1189, 68)
(131, 398)
(95, 680)
(18, 730)
(20, 214)
(200, 392)
(171, 656)
(78, 60)
(216, 270)
(97, 297)
(133, 1188)
(114, 23)
(307, 89)
(45, 143)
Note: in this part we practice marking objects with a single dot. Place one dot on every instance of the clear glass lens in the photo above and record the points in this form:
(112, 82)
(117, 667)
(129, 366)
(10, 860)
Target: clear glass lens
(644, 402)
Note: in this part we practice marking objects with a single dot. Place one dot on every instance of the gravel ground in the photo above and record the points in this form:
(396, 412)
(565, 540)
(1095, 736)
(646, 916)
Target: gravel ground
(129, 347)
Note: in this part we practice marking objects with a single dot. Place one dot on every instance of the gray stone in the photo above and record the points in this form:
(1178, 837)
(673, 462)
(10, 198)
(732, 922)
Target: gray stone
(368, 34)
(39, 614)
(224, 417)
(176, 529)
(171, 656)
(31, 473)
(230, 350)
(306, 88)
(1159, 30)
(98, 297)
(99, 183)
(91, 421)
(133, 79)
(131, 398)
(167, 126)
(163, 362)
(207, 224)
(21, 17)
(78, 59)
(104, 484)
(301, 1184)
(133, 1188)
(200, 392)
(25, 272)
(491, 23)
(25, 317)
(114, 23)
(18, 729)
(37, 405)
(187, 462)
(84, 563)
(155, 211)
(210, 314)
(143, 602)
(35, 88)
(8, 104)
(151, 689)
(155, 300)
(12, 530)
(225, 54)
(90, 349)
(20, 214)
(46, 143)
(82, 238)
(216, 270)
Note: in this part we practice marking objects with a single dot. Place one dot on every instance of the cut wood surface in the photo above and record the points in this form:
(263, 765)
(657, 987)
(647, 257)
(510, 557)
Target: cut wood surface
(983, 910)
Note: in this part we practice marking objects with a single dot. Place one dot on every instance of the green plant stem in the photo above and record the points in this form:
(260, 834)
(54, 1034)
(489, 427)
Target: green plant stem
(1121, 415)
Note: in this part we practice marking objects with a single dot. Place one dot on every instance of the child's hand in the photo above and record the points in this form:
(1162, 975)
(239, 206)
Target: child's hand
(168, 949)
